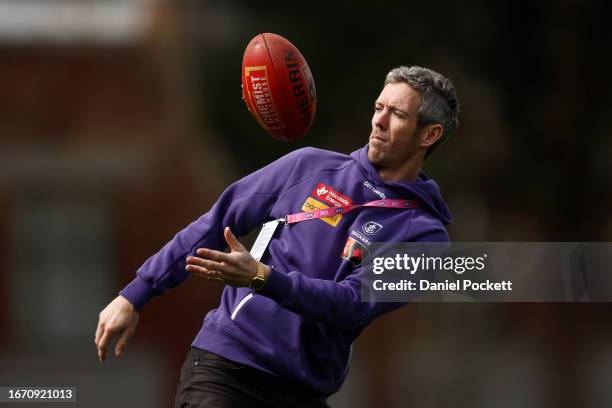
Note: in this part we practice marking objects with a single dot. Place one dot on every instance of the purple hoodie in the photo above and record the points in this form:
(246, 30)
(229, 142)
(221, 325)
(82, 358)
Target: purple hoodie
(302, 324)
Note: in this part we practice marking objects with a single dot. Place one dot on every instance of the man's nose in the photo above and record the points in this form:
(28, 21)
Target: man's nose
(381, 119)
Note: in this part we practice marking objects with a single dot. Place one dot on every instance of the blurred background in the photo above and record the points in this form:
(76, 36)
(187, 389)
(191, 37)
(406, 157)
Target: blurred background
(121, 121)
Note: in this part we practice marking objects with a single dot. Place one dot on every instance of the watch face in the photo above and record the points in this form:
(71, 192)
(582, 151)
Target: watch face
(257, 283)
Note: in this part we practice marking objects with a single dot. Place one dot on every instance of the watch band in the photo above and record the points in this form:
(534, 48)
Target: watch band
(259, 279)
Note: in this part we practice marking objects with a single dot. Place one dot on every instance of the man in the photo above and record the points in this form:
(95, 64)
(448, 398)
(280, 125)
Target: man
(283, 332)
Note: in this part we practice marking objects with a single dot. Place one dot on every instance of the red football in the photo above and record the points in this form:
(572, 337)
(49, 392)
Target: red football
(278, 87)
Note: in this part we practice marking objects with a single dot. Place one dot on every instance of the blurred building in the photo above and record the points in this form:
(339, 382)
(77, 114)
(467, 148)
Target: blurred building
(100, 164)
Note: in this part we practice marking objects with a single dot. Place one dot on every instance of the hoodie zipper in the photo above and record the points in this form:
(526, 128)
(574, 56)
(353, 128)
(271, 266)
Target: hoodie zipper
(241, 304)
(244, 301)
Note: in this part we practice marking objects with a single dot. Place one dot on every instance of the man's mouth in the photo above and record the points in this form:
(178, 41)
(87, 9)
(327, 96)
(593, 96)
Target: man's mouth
(377, 137)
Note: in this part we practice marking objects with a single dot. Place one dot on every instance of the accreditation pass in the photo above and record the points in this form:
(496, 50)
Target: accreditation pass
(264, 238)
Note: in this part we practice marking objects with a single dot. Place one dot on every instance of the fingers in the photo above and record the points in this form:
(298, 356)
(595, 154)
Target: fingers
(213, 255)
(99, 332)
(103, 345)
(123, 341)
(98, 338)
(203, 272)
(119, 317)
(232, 241)
(106, 338)
(206, 264)
(211, 264)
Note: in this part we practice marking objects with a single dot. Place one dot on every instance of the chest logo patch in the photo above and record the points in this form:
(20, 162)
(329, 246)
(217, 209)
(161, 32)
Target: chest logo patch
(371, 227)
(311, 205)
(326, 197)
(330, 196)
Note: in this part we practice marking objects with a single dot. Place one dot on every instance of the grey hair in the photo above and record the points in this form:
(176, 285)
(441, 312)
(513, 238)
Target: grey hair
(440, 103)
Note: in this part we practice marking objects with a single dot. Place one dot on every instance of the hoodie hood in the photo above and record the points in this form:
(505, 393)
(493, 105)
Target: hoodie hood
(425, 189)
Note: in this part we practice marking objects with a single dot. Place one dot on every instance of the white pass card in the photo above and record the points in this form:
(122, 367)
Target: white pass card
(263, 239)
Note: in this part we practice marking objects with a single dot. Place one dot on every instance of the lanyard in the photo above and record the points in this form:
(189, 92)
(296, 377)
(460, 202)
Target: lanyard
(266, 233)
(328, 212)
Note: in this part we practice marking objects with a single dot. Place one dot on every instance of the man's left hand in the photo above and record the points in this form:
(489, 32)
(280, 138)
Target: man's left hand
(236, 268)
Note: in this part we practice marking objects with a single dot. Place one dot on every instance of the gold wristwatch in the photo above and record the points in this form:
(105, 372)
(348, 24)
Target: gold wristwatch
(259, 279)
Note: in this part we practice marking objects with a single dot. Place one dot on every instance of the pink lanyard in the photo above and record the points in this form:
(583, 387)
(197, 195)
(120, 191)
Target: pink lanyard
(328, 212)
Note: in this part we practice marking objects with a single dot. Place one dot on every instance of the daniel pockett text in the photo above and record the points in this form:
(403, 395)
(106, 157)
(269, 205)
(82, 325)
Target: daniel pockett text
(412, 264)
(485, 271)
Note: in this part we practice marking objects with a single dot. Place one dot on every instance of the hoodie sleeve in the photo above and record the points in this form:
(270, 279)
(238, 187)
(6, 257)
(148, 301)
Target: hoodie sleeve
(242, 206)
(338, 303)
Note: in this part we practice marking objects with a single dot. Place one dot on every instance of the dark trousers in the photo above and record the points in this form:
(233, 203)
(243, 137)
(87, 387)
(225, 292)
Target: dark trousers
(208, 380)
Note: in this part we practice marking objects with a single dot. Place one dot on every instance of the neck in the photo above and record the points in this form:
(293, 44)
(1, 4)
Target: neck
(409, 171)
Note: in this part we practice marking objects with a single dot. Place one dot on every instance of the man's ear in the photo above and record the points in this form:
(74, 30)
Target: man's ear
(430, 134)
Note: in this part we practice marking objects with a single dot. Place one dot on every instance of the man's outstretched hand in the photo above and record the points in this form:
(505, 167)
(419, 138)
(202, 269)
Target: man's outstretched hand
(118, 318)
(235, 269)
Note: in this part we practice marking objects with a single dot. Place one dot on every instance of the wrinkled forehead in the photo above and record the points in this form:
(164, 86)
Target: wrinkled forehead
(400, 95)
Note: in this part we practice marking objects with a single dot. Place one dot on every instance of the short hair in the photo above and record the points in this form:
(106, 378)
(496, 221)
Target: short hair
(440, 102)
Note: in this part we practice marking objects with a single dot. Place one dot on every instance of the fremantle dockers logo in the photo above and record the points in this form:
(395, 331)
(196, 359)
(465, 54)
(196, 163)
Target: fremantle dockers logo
(371, 228)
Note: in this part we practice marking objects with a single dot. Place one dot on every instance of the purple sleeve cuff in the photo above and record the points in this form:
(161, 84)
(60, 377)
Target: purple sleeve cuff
(138, 292)
(278, 286)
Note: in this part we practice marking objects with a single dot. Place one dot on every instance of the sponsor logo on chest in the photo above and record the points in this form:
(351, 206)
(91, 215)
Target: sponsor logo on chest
(330, 196)
(326, 197)
(311, 205)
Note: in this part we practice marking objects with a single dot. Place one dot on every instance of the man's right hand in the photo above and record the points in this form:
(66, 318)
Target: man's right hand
(118, 318)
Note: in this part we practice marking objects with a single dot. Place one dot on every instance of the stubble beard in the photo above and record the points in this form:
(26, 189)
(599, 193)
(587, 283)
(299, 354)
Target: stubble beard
(377, 157)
